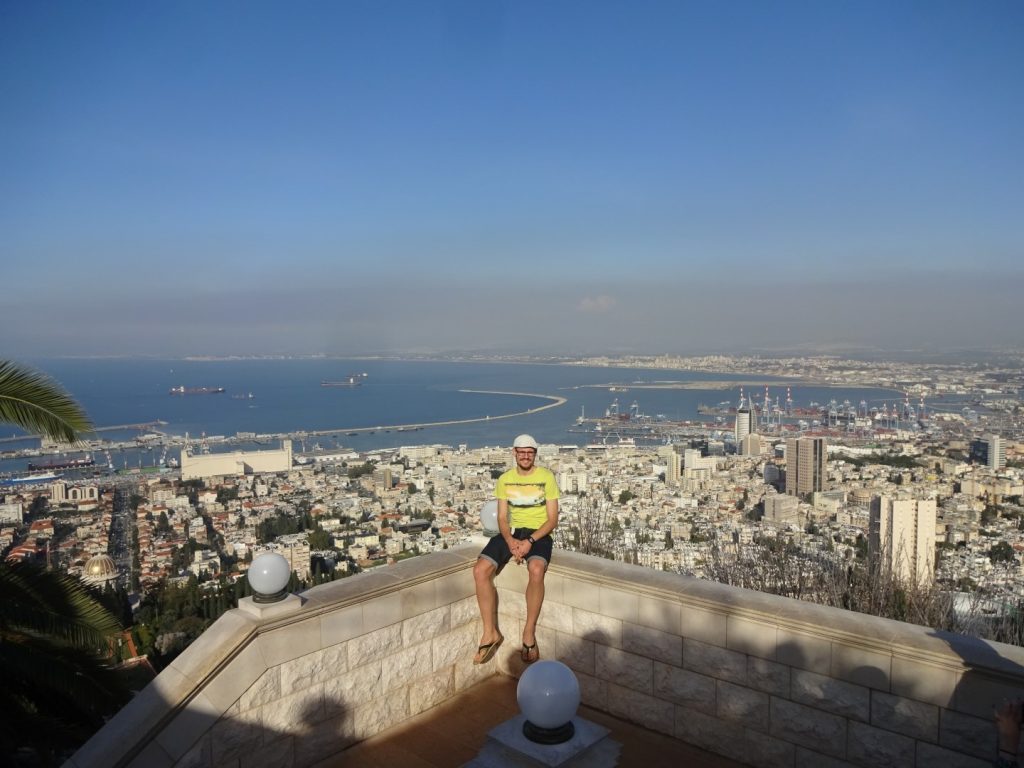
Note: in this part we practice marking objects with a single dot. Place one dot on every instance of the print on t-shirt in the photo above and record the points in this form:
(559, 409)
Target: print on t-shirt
(525, 494)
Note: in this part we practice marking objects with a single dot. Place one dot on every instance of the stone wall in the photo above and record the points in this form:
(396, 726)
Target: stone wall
(290, 685)
(764, 680)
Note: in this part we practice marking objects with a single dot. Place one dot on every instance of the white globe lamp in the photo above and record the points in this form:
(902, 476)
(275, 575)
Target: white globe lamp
(548, 695)
(268, 576)
(489, 518)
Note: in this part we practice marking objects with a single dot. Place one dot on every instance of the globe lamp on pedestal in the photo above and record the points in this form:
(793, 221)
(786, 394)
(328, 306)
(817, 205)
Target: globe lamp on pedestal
(548, 695)
(268, 576)
(489, 518)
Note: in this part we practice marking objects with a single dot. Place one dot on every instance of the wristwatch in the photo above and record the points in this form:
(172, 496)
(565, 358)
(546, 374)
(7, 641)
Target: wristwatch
(531, 539)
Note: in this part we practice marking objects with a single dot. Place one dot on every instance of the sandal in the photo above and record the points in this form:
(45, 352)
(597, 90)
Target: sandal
(530, 653)
(488, 650)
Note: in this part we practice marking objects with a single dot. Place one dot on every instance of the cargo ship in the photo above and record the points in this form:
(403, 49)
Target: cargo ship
(351, 381)
(30, 479)
(49, 466)
(196, 390)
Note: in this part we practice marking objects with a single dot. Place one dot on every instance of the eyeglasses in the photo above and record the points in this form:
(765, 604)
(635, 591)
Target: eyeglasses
(525, 451)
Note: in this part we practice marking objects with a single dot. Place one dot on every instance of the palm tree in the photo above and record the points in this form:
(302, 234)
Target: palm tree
(54, 633)
(36, 403)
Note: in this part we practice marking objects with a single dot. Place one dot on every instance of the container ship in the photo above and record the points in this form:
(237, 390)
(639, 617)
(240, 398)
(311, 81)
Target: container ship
(30, 479)
(351, 381)
(49, 466)
(196, 390)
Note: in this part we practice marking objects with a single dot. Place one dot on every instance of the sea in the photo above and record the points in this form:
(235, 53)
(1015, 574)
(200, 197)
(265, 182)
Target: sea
(272, 396)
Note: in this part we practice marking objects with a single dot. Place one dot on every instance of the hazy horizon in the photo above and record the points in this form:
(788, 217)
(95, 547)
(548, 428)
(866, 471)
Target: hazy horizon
(583, 178)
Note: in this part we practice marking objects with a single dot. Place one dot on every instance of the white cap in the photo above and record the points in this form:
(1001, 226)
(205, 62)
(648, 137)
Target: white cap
(525, 441)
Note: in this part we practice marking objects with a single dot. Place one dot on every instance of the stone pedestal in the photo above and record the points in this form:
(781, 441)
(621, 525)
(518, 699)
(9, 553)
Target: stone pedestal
(290, 604)
(507, 747)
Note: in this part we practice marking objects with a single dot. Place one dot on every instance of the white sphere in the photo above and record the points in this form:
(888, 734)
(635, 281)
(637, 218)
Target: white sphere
(548, 694)
(489, 518)
(269, 573)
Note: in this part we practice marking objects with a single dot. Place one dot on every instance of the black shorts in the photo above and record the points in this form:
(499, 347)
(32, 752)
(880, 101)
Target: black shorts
(497, 550)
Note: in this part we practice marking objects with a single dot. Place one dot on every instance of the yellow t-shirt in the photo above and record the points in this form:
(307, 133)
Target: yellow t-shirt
(527, 496)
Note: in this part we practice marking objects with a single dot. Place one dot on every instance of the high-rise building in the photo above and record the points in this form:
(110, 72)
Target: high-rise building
(673, 470)
(989, 450)
(745, 423)
(805, 465)
(902, 532)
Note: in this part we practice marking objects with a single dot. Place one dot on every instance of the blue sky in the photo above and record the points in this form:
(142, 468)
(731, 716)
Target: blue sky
(190, 178)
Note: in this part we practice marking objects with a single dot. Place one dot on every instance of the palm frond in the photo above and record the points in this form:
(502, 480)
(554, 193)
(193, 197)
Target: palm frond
(38, 404)
(45, 602)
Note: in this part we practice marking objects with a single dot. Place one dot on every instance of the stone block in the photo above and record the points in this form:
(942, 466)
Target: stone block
(742, 705)
(923, 681)
(641, 708)
(768, 676)
(932, 754)
(861, 666)
(152, 757)
(231, 737)
(652, 643)
(290, 641)
(374, 645)
(710, 733)
(581, 594)
(455, 587)
(430, 691)
(188, 726)
(874, 748)
(347, 691)
(831, 695)
(293, 715)
(803, 651)
(576, 653)
(751, 637)
(468, 674)
(378, 715)
(511, 604)
(619, 604)
(465, 612)
(681, 686)
(556, 616)
(426, 626)
(407, 665)
(325, 739)
(911, 718)
(382, 611)
(312, 668)
(808, 727)
(593, 691)
(720, 663)
(805, 758)
(659, 614)
(448, 648)
(702, 625)
(266, 688)
(965, 733)
(341, 625)
(977, 693)
(624, 669)
(764, 751)
(418, 599)
(236, 678)
(276, 754)
(199, 756)
(597, 628)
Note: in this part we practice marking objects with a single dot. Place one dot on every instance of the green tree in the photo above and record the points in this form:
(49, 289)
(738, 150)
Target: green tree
(57, 689)
(1001, 552)
(626, 496)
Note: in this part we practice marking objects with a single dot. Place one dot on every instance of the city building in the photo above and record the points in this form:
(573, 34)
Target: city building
(805, 465)
(903, 534)
(203, 465)
(745, 423)
(989, 450)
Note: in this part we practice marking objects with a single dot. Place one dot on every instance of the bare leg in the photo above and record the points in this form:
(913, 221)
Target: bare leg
(487, 599)
(534, 598)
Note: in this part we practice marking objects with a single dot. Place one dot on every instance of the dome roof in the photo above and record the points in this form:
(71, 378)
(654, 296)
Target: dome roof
(100, 567)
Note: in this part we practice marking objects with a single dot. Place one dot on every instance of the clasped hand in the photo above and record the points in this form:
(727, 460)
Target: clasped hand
(519, 548)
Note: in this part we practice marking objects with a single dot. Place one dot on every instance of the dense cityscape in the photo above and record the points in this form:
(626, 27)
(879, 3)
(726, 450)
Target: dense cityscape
(760, 494)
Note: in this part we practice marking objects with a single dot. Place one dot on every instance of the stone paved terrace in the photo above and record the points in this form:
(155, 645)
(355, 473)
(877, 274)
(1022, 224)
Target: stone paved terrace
(755, 678)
